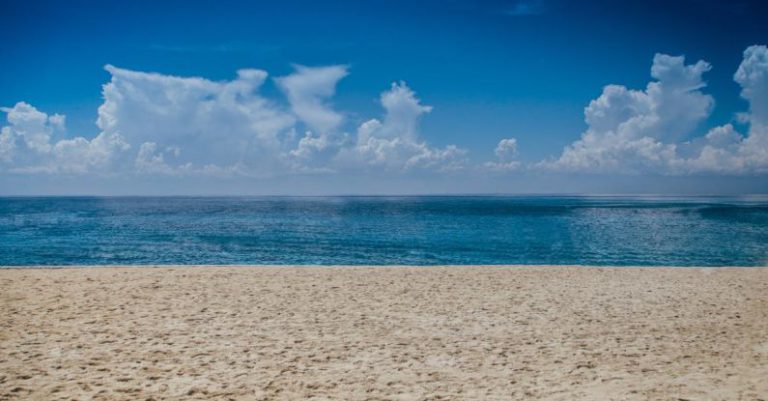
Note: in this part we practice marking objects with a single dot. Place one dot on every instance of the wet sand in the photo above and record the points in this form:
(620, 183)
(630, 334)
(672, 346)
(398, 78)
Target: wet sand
(394, 333)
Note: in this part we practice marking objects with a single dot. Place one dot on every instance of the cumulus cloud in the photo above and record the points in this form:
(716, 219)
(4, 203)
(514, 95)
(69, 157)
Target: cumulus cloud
(506, 149)
(34, 141)
(152, 123)
(628, 129)
(394, 143)
(313, 153)
(308, 91)
(725, 150)
(183, 124)
(506, 156)
(752, 75)
(641, 131)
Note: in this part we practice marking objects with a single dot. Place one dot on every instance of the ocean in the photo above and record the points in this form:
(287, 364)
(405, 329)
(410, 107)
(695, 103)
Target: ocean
(418, 230)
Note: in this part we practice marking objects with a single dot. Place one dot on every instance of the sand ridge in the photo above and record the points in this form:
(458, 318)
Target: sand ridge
(382, 333)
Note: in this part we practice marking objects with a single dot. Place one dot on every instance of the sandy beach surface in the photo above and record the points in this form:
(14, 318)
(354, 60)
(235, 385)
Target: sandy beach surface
(394, 333)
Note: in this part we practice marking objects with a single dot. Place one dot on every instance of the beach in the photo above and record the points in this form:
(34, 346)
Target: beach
(384, 333)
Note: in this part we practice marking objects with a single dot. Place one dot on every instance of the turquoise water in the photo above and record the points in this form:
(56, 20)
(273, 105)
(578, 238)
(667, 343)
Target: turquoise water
(384, 230)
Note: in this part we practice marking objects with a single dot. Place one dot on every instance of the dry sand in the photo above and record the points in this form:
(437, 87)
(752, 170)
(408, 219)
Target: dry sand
(437, 333)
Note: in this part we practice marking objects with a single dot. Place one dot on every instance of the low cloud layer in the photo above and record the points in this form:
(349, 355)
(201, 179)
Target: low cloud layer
(155, 124)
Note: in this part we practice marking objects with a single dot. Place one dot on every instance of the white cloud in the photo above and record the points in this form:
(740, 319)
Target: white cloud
(33, 128)
(308, 90)
(628, 129)
(7, 145)
(506, 156)
(204, 123)
(506, 149)
(33, 141)
(752, 75)
(219, 127)
(313, 153)
(150, 160)
(640, 131)
(158, 124)
(166, 125)
(394, 144)
(726, 151)
(79, 155)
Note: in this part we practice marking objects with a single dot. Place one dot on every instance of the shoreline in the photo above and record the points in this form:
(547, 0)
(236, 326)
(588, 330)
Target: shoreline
(370, 333)
(299, 266)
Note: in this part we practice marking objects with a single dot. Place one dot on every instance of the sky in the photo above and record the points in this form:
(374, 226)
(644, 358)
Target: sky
(383, 97)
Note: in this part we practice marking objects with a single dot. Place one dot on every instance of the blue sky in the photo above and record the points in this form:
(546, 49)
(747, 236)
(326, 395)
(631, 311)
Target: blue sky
(489, 71)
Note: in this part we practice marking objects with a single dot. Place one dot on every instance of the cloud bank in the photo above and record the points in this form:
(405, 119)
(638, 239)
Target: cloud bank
(156, 124)
(160, 124)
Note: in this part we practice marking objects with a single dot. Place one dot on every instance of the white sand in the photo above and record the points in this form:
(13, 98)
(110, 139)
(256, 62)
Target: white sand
(437, 333)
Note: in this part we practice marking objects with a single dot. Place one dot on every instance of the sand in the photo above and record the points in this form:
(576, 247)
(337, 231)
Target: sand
(395, 333)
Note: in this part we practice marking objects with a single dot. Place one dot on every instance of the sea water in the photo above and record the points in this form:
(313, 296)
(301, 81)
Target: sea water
(429, 230)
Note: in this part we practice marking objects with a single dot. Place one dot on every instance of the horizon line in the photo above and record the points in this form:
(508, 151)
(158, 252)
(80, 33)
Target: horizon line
(405, 195)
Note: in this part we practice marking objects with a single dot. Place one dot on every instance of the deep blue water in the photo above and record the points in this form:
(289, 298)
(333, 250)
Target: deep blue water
(384, 230)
